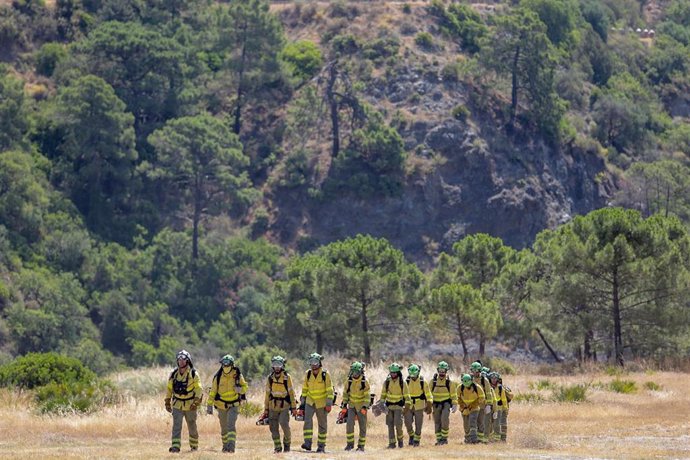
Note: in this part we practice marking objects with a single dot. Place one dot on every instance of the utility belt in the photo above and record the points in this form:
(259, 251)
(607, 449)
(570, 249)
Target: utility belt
(177, 398)
(442, 403)
(230, 403)
(421, 397)
(283, 400)
(400, 403)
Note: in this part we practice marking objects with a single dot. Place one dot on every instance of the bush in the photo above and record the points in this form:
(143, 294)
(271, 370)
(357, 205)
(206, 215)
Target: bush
(573, 393)
(528, 398)
(250, 409)
(544, 384)
(304, 58)
(48, 57)
(623, 386)
(255, 362)
(39, 369)
(74, 397)
(501, 366)
(424, 40)
(652, 386)
(460, 112)
(381, 48)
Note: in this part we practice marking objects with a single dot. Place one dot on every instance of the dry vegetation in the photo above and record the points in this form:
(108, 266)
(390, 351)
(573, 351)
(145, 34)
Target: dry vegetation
(644, 424)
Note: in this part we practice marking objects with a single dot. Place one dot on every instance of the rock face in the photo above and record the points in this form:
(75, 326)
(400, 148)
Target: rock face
(479, 180)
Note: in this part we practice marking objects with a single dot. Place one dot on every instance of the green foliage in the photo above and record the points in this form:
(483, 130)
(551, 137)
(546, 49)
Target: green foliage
(80, 397)
(500, 365)
(39, 369)
(544, 384)
(424, 40)
(255, 361)
(13, 120)
(460, 112)
(250, 409)
(652, 386)
(381, 48)
(528, 398)
(559, 16)
(571, 393)
(461, 22)
(623, 386)
(49, 56)
(304, 59)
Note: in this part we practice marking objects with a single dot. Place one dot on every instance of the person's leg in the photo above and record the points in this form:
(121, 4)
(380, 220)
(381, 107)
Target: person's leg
(445, 423)
(190, 416)
(438, 410)
(362, 421)
(418, 423)
(350, 429)
(177, 416)
(473, 418)
(409, 417)
(398, 420)
(322, 419)
(233, 412)
(308, 426)
(390, 417)
(284, 421)
(273, 426)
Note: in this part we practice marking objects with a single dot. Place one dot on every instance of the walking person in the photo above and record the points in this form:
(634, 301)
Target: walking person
(471, 399)
(317, 399)
(420, 399)
(503, 396)
(445, 401)
(396, 397)
(184, 394)
(279, 403)
(356, 401)
(228, 390)
(484, 419)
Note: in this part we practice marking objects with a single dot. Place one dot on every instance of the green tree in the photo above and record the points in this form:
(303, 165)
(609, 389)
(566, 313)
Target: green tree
(630, 270)
(303, 58)
(256, 38)
(203, 163)
(559, 16)
(96, 156)
(13, 119)
(520, 49)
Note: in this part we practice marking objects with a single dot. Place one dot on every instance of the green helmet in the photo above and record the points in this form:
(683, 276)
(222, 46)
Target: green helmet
(443, 365)
(413, 370)
(494, 375)
(476, 366)
(395, 367)
(356, 367)
(227, 360)
(278, 361)
(485, 370)
(315, 359)
(466, 380)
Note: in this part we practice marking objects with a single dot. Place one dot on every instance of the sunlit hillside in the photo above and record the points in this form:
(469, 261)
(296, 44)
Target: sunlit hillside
(643, 424)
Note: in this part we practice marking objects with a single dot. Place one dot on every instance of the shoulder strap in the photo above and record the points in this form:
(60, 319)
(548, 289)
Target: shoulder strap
(434, 380)
(323, 375)
(173, 373)
(388, 381)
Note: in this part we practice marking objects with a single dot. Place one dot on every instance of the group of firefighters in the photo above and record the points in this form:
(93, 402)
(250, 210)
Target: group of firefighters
(479, 396)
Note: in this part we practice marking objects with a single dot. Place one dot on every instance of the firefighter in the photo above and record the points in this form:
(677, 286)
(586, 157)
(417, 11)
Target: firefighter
(484, 418)
(420, 398)
(444, 394)
(471, 398)
(396, 398)
(184, 394)
(228, 390)
(279, 403)
(316, 399)
(502, 396)
(356, 404)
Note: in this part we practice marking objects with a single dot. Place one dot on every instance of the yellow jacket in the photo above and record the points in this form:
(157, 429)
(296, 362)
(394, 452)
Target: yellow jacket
(356, 392)
(502, 397)
(395, 393)
(280, 394)
(317, 389)
(471, 397)
(420, 392)
(443, 390)
(227, 389)
(486, 386)
(184, 388)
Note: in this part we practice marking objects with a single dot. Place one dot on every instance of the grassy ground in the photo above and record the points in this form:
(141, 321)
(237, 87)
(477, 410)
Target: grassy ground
(643, 424)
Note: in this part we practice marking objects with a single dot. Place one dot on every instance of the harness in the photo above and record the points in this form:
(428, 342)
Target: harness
(323, 375)
(238, 374)
(433, 387)
(363, 383)
(387, 384)
(180, 387)
(285, 399)
(421, 397)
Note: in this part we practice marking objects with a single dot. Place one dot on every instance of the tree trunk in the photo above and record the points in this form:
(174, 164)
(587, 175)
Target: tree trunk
(240, 82)
(333, 105)
(617, 328)
(589, 335)
(482, 345)
(365, 332)
(458, 321)
(548, 347)
(514, 89)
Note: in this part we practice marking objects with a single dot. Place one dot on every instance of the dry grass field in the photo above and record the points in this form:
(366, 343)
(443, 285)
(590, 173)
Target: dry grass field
(644, 424)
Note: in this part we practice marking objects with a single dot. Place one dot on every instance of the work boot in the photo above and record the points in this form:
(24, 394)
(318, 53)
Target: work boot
(277, 450)
(415, 444)
(401, 444)
(411, 443)
(391, 445)
(286, 447)
(174, 450)
(350, 446)
(306, 446)
(321, 448)
(194, 449)
(360, 448)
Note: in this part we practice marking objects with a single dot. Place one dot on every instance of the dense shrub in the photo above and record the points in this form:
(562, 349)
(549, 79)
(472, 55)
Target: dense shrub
(623, 386)
(424, 40)
(255, 362)
(48, 57)
(40, 369)
(572, 393)
(74, 397)
(303, 57)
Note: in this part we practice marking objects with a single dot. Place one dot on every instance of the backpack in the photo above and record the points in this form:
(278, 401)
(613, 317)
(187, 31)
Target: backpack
(285, 382)
(422, 397)
(238, 374)
(349, 383)
(180, 387)
(433, 387)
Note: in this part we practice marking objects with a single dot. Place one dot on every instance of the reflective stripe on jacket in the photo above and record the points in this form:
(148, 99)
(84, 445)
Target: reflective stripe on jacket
(224, 393)
(471, 397)
(356, 392)
(317, 388)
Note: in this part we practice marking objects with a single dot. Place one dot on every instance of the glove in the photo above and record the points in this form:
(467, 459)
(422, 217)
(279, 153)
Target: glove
(363, 411)
(168, 406)
(329, 402)
(265, 414)
(429, 407)
(487, 409)
(466, 412)
(453, 408)
(209, 410)
(294, 412)
(328, 409)
(195, 404)
(495, 415)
